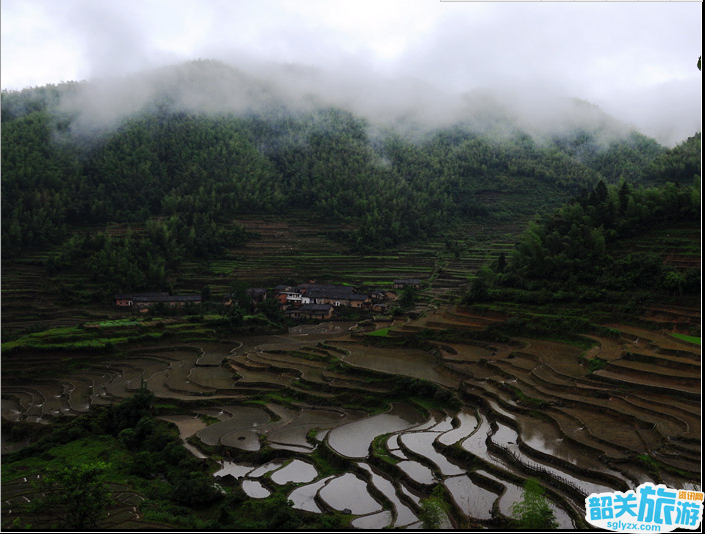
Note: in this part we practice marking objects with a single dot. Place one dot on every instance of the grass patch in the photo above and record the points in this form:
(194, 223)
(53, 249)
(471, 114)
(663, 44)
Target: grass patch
(82, 451)
(382, 332)
(526, 400)
(379, 449)
(596, 364)
(689, 339)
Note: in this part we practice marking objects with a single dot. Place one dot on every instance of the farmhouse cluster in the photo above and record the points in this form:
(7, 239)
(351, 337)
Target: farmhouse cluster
(143, 301)
(302, 301)
(314, 301)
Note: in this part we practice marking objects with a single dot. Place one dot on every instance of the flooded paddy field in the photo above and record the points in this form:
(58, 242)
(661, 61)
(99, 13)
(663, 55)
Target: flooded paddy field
(353, 440)
(349, 492)
(484, 417)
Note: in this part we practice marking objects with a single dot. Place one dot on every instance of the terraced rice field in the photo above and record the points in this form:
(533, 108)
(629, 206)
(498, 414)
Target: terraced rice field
(525, 407)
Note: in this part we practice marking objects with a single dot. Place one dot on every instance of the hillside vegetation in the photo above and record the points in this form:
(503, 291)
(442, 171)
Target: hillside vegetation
(196, 170)
(177, 179)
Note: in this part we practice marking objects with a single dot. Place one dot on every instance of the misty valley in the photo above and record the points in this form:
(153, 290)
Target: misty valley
(232, 300)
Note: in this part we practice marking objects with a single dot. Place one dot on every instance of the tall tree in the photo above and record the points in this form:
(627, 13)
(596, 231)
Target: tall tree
(77, 494)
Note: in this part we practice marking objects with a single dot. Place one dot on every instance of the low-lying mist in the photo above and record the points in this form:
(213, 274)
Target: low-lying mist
(411, 107)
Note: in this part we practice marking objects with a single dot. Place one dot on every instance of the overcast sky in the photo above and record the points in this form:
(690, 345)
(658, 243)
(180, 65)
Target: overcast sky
(636, 60)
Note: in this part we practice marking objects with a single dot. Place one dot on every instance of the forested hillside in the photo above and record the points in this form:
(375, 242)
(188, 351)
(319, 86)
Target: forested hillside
(179, 177)
(575, 254)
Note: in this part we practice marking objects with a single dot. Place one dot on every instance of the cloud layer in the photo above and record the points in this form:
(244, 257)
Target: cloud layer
(635, 60)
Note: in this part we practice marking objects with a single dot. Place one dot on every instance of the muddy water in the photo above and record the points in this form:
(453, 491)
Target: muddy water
(472, 499)
(11, 409)
(215, 353)
(376, 521)
(243, 417)
(188, 425)
(468, 423)
(255, 489)
(506, 438)
(296, 471)
(212, 377)
(349, 492)
(303, 497)
(404, 514)
(406, 362)
(544, 437)
(418, 472)
(295, 432)
(246, 440)
(353, 440)
(422, 443)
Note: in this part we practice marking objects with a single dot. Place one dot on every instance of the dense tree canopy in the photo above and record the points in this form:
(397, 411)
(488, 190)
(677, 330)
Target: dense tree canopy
(176, 181)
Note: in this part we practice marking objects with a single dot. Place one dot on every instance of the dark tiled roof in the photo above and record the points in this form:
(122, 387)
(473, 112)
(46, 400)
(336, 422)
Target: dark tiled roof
(256, 291)
(326, 294)
(327, 287)
(169, 298)
(281, 287)
(134, 295)
(316, 307)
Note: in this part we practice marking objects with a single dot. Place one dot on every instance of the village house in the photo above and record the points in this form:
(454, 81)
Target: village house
(378, 307)
(288, 295)
(322, 312)
(142, 301)
(337, 298)
(335, 295)
(377, 295)
(126, 300)
(408, 282)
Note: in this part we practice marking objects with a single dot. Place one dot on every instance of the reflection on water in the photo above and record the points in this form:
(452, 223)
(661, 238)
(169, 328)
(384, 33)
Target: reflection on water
(404, 514)
(266, 468)
(303, 497)
(296, 471)
(422, 443)
(468, 423)
(506, 438)
(473, 500)
(406, 491)
(255, 489)
(418, 472)
(236, 470)
(349, 492)
(373, 522)
(445, 425)
(514, 493)
(353, 440)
